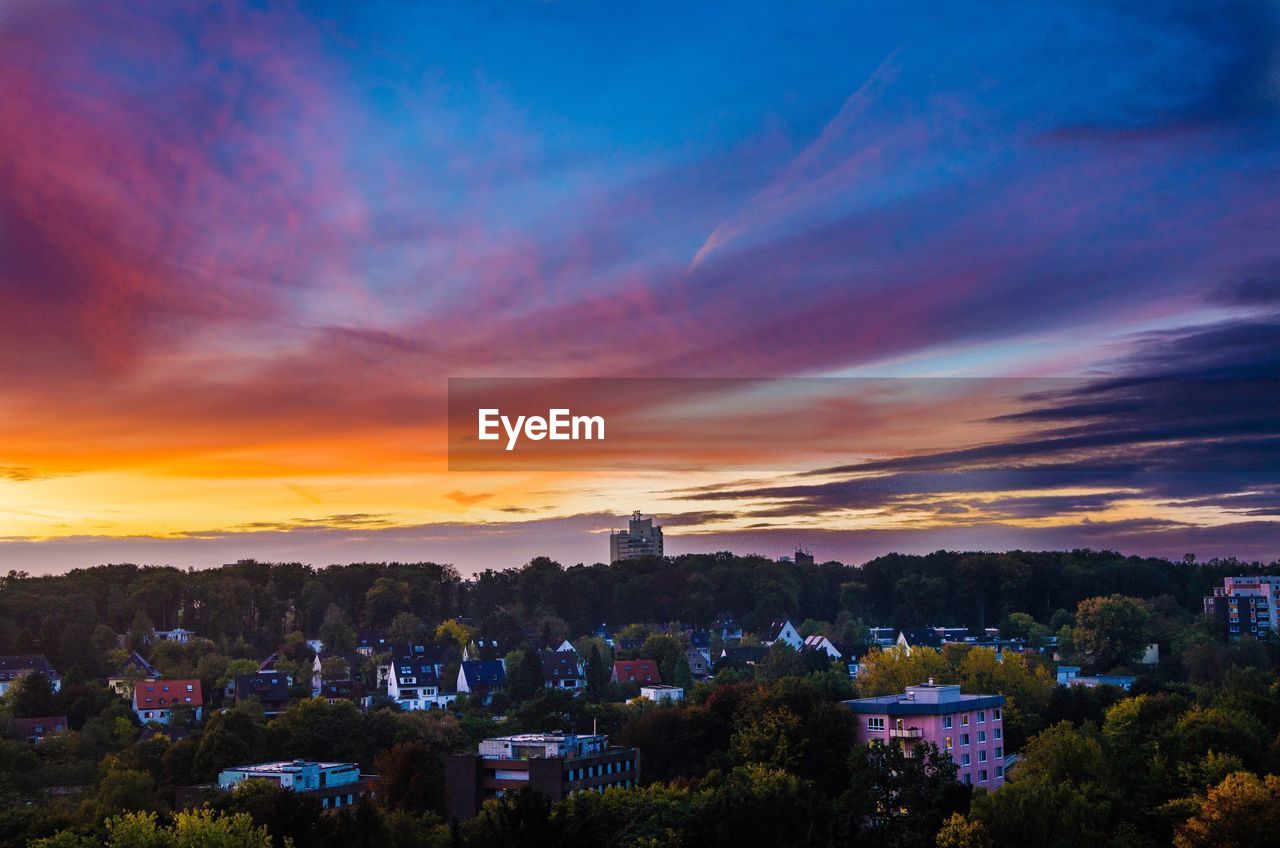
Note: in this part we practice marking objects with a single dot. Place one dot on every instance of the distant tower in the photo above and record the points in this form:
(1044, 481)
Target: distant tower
(803, 556)
(643, 538)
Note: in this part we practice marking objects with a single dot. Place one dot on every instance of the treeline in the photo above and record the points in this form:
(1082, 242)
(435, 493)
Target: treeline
(256, 604)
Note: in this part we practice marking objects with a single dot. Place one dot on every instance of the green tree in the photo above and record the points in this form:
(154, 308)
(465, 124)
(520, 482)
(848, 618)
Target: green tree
(598, 672)
(336, 632)
(1111, 631)
(411, 778)
(31, 696)
(525, 678)
(406, 629)
(683, 676)
(664, 650)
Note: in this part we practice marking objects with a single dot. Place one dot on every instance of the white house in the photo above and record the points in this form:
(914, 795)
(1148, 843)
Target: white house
(783, 631)
(178, 634)
(413, 677)
(818, 642)
(661, 692)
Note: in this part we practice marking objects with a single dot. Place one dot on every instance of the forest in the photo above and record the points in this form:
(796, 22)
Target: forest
(758, 755)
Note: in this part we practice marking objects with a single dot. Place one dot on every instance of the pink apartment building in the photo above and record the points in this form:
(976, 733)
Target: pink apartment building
(970, 728)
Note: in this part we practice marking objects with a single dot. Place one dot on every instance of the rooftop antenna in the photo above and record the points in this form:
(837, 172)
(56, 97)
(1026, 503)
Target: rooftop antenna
(593, 726)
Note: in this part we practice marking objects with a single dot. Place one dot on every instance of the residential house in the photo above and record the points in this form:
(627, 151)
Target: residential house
(968, 728)
(154, 701)
(1069, 675)
(133, 669)
(370, 642)
(882, 637)
(740, 656)
(562, 670)
(268, 687)
(783, 631)
(178, 634)
(483, 648)
(661, 693)
(920, 637)
(635, 671)
(482, 678)
(17, 666)
(413, 678)
(699, 662)
(730, 630)
(32, 729)
(334, 691)
(551, 764)
(818, 642)
(605, 633)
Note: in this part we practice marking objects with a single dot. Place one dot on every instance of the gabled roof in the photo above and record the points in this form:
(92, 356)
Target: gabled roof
(166, 694)
(559, 665)
(15, 666)
(269, 687)
(375, 640)
(776, 628)
(34, 728)
(346, 689)
(484, 673)
(636, 671)
(134, 664)
(422, 661)
(922, 637)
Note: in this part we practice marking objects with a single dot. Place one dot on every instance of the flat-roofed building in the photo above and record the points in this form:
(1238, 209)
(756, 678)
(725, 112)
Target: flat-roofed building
(552, 764)
(967, 728)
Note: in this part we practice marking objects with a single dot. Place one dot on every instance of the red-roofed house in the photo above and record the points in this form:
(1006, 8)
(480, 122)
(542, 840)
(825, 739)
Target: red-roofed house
(33, 729)
(636, 671)
(155, 700)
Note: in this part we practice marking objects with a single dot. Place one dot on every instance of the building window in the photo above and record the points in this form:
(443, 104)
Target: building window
(964, 759)
(982, 736)
(968, 779)
(999, 771)
(964, 739)
(995, 714)
(949, 743)
(946, 723)
(999, 751)
(982, 716)
(999, 733)
(964, 720)
(875, 723)
(982, 776)
(982, 756)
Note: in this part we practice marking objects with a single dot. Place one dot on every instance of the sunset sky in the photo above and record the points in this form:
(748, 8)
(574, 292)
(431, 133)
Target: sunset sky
(244, 246)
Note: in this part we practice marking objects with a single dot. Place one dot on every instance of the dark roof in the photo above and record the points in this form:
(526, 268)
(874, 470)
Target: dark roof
(559, 665)
(775, 627)
(374, 639)
(725, 620)
(20, 665)
(922, 637)
(749, 655)
(898, 705)
(423, 662)
(135, 664)
(34, 728)
(484, 673)
(269, 687)
(347, 689)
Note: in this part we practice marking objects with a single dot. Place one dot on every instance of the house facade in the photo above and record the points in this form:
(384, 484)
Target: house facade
(562, 670)
(133, 669)
(154, 701)
(17, 666)
(413, 677)
(968, 728)
(785, 632)
(1245, 606)
(482, 678)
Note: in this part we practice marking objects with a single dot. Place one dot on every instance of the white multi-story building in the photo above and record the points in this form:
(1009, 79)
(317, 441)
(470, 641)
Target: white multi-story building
(1246, 606)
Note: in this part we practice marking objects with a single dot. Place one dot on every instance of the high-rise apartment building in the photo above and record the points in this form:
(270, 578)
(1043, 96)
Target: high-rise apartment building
(1245, 606)
(642, 538)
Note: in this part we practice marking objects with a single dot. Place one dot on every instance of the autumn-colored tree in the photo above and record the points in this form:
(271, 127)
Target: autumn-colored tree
(1111, 631)
(1243, 811)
